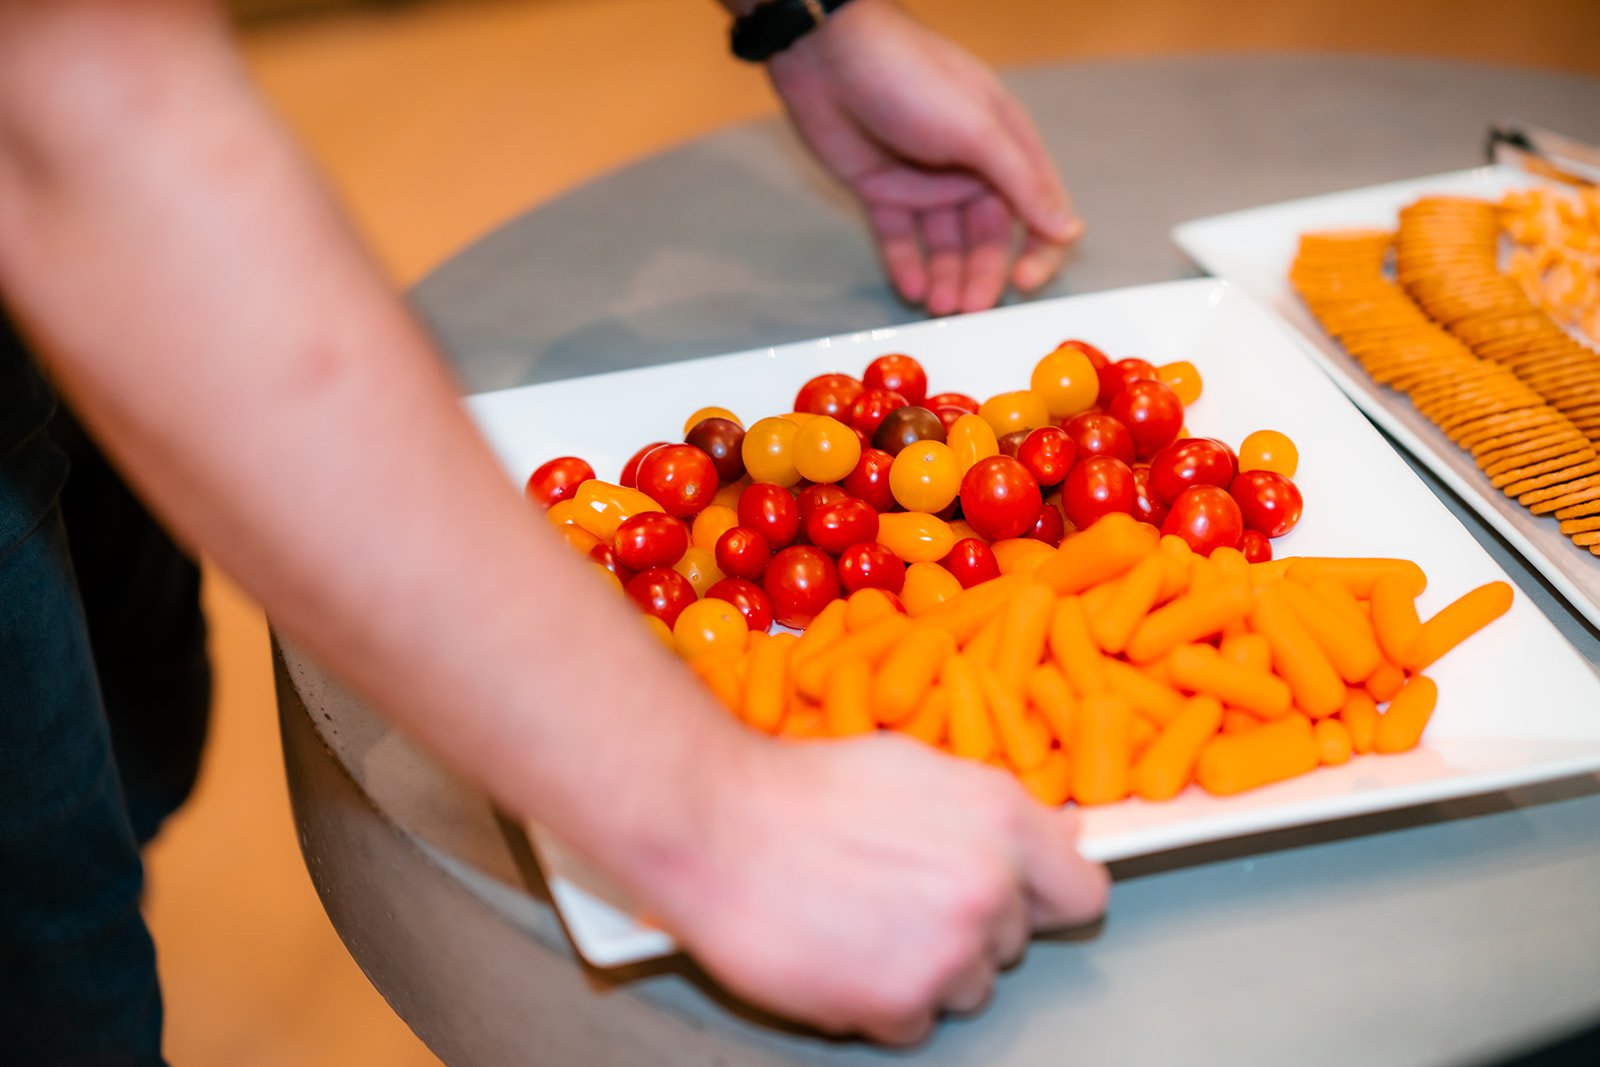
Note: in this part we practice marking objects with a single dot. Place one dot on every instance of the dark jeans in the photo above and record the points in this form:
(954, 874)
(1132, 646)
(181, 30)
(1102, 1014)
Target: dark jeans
(104, 691)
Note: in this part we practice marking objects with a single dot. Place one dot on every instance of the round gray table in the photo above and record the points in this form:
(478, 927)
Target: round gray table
(1450, 934)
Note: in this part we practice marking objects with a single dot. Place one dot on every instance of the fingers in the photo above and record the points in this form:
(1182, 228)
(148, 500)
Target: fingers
(917, 189)
(1064, 888)
(988, 239)
(896, 232)
(1038, 262)
(971, 988)
(1017, 121)
(907, 1030)
(1027, 180)
(942, 236)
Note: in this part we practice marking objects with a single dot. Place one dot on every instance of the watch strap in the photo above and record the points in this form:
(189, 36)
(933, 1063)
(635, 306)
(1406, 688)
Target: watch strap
(771, 27)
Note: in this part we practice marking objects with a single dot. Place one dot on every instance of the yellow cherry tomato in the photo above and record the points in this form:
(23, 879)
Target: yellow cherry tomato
(1067, 382)
(825, 449)
(1021, 555)
(708, 626)
(971, 438)
(768, 451)
(662, 631)
(608, 577)
(927, 586)
(712, 412)
(1020, 409)
(576, 536)
(602, 507)
(925, 476)
(799, 418)
(699, 565)
(562, 512)
(915, 536)
(728, 495)
(1264, 450)
(710, 524)
(1184, 378)
(865, 607)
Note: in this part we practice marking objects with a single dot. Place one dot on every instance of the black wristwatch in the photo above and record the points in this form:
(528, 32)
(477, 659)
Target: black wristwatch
(771, 27)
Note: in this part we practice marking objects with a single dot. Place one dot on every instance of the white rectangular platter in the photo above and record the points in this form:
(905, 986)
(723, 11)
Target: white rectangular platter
(1253, 249)
(1519, 706)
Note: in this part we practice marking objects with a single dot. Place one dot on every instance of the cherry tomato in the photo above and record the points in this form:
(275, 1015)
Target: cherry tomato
(906, 426)
(576, 536)
(870, 480)
(972, 562)
(1097, 486)
(770, 511)
(800, 581)
(1010, 444)
(898, 373)
(709, 627)
(700, 567)
(1147, 507)
(1269, 503)
(710, 413)
(1095, 356)
(999, 498)
(662, 592)
(1206, 517)
(925, 477)
(1020, 409)
(768, 451)
(1050, 527)
(1269, 450)
(951, 400)
(1190, 461)
(972, 439)
(1048, 453)
(557, 480)
(825, 449)
(743, 553)
(835, 527)
(948, 414)
(1255, 546)
(1152, 413)
(870, 565)
(1098, 434)
(630, 470)
(1067, 381)
(711, 524)
(813, 497)
(915, 536)
(722, 440)
(927, 586)
(651, 539)
(606, 556)
(1184, 379)
(1119, 375)
(681, 478)
(601, 507)
(748, 597)
(872, 407)
(828, 394)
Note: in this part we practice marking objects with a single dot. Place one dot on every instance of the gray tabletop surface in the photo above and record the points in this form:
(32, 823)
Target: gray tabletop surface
(1449, 934)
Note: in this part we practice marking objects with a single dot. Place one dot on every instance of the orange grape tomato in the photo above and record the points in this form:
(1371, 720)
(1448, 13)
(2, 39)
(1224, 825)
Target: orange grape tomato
(601, 507)
(662, 631)
(768, 451)
(564, 513)
(700, 567)
(728, 495)
(925, 476)
(712, 412)
(1269, 450)
(1183, 378)
(927, 586)
(915, 536)
(708, 626)
(577, 537)
(1067, 382)
(825, 449)
(799, 418)
(711, 524)
(1020, 409)
(971, 438)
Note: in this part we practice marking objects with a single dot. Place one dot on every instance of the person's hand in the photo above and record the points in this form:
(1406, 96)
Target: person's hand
(945, 161)
(866, 886)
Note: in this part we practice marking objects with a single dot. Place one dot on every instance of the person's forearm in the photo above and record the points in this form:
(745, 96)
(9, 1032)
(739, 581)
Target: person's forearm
(201, 303)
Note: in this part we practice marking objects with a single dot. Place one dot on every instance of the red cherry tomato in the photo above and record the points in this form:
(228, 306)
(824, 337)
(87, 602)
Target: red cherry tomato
(870, 480)
(742, 553)
(835, 527)
(1095, 433)
(722, 440)
(1269, 502)
(1097, 486)
(999, 498)
(948, 414)
(871, 408)
(1116, 377)
(557, 480)
(770, 511)
(651, 539)
(1255, 546)
(681, 478)
(800, 581)
(630, 470)
(1048, 453)
(971, 561)
(662, 592)
(1152, 413)
(748, 597)
(1147, 507)
(1050, 527)
(1191, 461)
(869, 565)
(828, 394)
(813, 497)
(1206, 517)
(606, 556)
(951, 400)
(897, 373)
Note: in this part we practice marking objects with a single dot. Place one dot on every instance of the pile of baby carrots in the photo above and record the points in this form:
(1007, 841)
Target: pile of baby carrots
(1122, 664)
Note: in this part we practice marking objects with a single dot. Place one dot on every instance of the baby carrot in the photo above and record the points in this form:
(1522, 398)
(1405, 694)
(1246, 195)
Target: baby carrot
(1023, 747)
(968, 610)
(804, 725)
(984, 646)
(1456, 622)
(869, 645)
(1348, 643)
(1144, 732)
(1176, 555)
(1050, 697)
(1299, 660)
(1097, 597)
(1402, 723)
(971, 729)
(1108, 548)
(1385, 682)
(1050, 783)
(1248, 650)
(824, 630)
(1074, 649)
(1273, 570)
(1026, 621)
(1231, 562)
(1021, 555)
(1188, 618)
(1270, 753)
(931, 720)
(1237, 721)
(1360, 717)
(907, 671)
(1144, 694)
(1356, 575)
(767, 682)
(847, 704)
(1131, 601)
(1333, 742)
(865, 607)
(721, 675)
(1202, 669)
(1101, 750)
(1167, 765)
(1394, 616)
